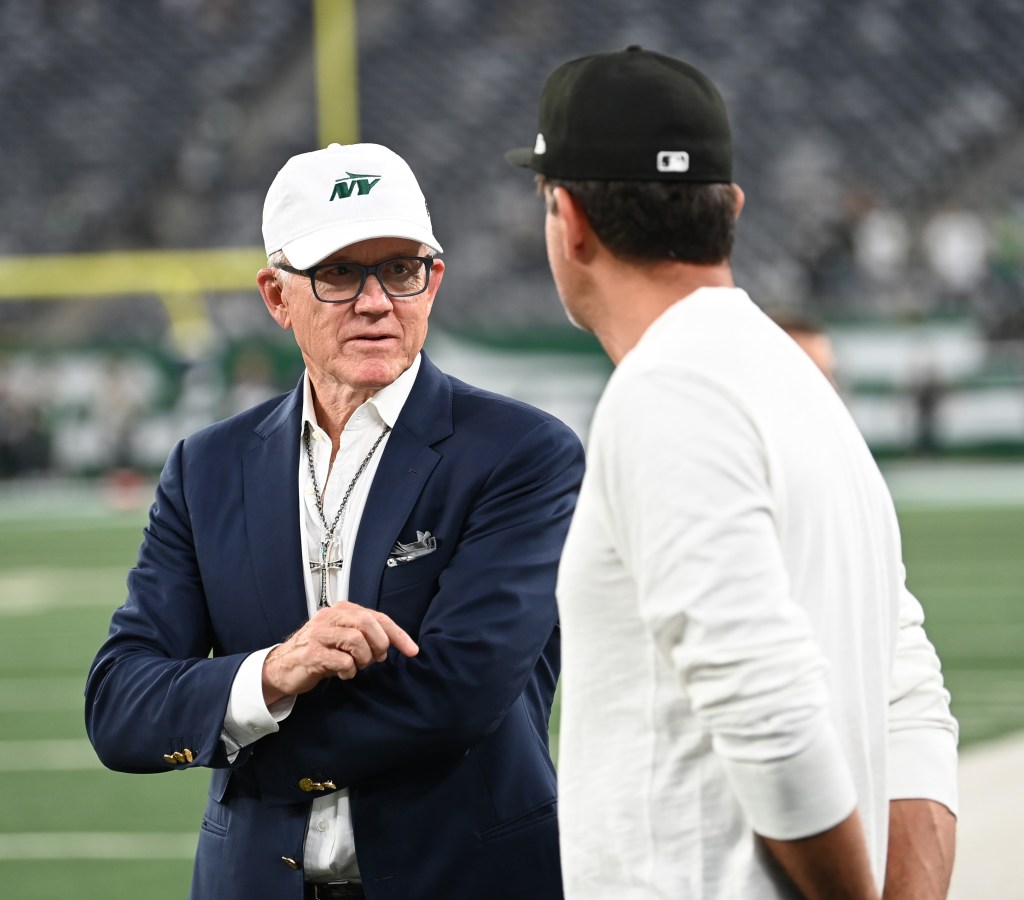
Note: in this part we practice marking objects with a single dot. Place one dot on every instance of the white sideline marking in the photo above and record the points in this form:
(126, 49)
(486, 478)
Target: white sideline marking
(41, 694)
(57, 755)
(96, 845)
(951, 484)
(988, 830)
(32, 590)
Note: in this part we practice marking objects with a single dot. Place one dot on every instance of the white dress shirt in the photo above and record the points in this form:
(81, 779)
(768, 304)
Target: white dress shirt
(329, 853)
(740, 654)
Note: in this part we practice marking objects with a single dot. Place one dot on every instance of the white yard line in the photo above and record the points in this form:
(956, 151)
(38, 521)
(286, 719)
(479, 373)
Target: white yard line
(55, 755)
(32, 590)
(73, 502)
(43, 694)
(63, 845)
(923, 484)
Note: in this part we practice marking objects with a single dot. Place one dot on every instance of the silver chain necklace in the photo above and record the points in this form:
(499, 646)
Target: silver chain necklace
(326, 564)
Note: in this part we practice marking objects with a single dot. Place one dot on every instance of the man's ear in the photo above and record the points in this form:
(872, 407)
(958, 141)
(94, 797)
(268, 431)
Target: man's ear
(741, 198)
(436, 276)
(268, 280)
(578, 238)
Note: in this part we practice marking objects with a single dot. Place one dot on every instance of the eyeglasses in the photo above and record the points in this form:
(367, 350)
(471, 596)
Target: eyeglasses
(401, 278)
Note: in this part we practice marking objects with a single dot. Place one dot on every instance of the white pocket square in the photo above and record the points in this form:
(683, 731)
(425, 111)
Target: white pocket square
(402, 553)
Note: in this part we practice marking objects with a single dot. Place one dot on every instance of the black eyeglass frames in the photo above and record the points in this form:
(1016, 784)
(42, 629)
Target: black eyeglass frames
(401, 278)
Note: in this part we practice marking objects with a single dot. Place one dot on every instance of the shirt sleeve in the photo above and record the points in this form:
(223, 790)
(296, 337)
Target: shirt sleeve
(922, 731)
(689, 479)
(247, 718)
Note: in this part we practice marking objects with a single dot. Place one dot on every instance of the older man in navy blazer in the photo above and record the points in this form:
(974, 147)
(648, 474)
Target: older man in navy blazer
(344, 600)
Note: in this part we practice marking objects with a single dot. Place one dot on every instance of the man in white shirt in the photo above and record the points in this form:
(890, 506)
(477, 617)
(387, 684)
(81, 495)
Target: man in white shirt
(344, 603)
(750, 706)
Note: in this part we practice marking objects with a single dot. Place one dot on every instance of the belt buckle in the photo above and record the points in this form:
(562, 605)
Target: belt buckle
(337, 890)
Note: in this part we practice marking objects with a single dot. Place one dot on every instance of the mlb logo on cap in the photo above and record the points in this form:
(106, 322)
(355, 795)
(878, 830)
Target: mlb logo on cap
(673, 161)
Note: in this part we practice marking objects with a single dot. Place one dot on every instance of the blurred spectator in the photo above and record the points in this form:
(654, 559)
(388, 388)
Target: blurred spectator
(24, 438)
(927, 393)
(955, 243)
(24, 433)
(251, 380)
(812, 338)
(1004, 319)
(882, 244)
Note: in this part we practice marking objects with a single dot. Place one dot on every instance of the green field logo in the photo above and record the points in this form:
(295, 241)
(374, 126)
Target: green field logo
(344, 187)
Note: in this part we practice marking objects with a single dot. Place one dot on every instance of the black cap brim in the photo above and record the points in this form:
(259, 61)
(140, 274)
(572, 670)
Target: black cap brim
(521, 156)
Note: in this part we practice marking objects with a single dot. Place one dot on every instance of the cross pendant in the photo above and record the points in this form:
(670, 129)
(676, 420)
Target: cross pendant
(324, 566)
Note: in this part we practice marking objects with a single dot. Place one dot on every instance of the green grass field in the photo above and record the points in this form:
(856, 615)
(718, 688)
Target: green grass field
(70, 828)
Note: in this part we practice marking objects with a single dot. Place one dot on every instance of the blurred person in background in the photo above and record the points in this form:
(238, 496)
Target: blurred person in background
(344, 602)
(811, 337)
(750, 705)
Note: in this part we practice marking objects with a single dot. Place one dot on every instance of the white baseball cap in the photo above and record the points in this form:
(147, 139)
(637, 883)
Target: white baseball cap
(322, 201)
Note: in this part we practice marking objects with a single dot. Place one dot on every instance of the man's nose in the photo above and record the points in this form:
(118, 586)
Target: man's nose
(373, 297)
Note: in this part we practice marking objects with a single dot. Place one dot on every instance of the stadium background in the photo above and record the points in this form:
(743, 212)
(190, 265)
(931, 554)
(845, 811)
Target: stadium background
(880, 146)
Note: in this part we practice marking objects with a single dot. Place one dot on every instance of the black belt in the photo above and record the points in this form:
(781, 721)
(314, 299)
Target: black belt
(340, 890)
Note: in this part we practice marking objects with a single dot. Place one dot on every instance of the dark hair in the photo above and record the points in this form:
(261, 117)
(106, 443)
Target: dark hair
(649, 221)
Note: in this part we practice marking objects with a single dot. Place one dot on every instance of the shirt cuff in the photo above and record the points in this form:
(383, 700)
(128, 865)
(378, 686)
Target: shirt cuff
(923, 766)
(247, 717)
(799, 796)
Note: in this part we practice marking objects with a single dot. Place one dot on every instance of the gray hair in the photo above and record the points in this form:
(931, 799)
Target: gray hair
(277, 258)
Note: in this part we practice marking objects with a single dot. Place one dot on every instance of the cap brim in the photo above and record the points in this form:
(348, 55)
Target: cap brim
(521, 156)
(310, 249)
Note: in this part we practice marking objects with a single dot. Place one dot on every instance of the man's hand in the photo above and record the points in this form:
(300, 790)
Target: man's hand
(337, 642)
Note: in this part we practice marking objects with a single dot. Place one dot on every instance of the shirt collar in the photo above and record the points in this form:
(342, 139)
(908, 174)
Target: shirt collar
(385, 405)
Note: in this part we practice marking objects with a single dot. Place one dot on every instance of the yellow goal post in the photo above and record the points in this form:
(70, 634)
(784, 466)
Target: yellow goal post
(182, 278)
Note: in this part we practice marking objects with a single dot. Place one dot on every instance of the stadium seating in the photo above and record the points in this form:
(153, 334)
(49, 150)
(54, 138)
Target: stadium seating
(877, 143)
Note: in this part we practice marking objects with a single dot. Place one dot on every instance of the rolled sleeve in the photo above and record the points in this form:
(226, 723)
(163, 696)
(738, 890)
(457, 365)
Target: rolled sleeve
(796, 797)
(923, 733)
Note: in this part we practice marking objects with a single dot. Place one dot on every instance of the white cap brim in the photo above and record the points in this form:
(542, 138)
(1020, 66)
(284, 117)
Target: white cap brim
(309, 249)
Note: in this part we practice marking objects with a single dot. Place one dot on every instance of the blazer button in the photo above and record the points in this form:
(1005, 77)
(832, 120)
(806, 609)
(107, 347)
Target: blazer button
(306, 784)
(289, 862)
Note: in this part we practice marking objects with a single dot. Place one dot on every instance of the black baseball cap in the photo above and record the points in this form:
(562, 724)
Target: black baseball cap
(630, 115)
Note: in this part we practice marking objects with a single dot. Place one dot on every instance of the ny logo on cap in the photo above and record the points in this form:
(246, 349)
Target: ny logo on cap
(344, 187)
(673, 161)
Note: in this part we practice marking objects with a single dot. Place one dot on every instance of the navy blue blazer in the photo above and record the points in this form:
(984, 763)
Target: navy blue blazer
(445, 754)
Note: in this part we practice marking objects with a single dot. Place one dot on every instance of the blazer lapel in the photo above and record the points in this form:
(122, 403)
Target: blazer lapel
(401, 475)
(270, 497)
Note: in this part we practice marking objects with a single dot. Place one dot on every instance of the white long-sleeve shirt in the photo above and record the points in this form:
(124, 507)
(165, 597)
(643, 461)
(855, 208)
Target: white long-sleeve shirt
(329, 852)
(740, 652)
